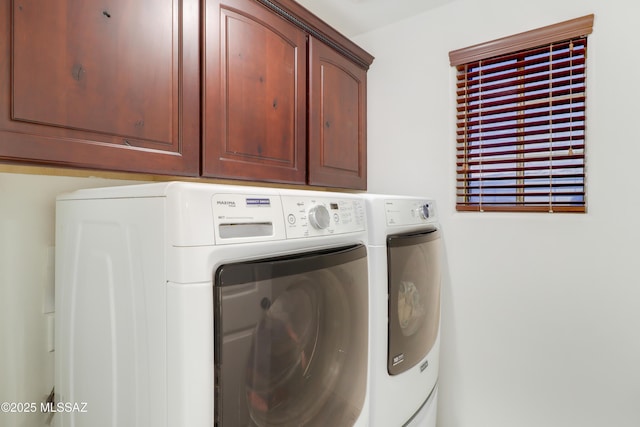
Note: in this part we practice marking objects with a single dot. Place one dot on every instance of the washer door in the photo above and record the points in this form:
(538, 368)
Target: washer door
(414, 297)
(292, 339)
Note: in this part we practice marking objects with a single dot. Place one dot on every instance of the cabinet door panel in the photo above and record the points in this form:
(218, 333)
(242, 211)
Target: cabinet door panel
(255, 103)
(101, 84)
(337, 114)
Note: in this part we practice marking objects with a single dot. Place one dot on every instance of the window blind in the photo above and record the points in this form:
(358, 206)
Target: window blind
(521, 128)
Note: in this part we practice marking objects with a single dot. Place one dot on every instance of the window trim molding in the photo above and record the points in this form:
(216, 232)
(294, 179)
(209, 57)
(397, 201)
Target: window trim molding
(572, 28)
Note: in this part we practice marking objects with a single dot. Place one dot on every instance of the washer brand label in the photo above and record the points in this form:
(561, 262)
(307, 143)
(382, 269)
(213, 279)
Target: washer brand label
(398, 359)
(258, 201)
(424, 366)
(228, 203)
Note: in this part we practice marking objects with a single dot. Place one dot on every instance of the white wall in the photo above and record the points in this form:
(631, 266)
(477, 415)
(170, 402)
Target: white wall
(541, 313)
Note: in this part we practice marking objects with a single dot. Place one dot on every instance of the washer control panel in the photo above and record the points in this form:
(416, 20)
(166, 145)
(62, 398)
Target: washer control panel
(320, 216)
(409, 212)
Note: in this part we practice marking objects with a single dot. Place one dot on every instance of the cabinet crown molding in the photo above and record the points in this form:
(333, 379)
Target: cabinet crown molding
(311, 24)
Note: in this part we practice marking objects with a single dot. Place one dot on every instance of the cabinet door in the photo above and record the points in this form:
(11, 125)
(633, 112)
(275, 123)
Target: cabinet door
(337, 119)
(254, 94)
(111, 85)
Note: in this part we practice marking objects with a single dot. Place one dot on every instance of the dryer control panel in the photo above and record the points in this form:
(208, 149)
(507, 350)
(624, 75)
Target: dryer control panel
(409, 211)
(321, 216)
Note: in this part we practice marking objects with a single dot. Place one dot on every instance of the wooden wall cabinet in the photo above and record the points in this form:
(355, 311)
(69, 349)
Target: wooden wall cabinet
(254, 94)
(337, 119)
(280, 103)
(258, 90)
(101, 85)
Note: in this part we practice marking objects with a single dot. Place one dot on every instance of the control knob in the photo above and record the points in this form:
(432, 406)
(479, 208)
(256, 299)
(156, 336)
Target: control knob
(319, 217)
(423, 211)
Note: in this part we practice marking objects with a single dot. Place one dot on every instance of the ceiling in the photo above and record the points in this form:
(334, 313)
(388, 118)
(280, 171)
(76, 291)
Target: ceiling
(353, 17)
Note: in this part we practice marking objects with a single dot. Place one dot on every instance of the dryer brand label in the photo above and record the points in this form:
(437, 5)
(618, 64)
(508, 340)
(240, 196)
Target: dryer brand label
(398, 359)
(258, 201)
(228, 203)
(424, 366)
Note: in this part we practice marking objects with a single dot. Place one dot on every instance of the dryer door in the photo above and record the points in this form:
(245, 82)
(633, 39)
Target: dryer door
(291, 340)
(414, 297)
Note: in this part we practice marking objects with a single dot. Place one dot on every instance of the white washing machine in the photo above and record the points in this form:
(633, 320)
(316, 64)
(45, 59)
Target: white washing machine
(200, 305)
(405, 263)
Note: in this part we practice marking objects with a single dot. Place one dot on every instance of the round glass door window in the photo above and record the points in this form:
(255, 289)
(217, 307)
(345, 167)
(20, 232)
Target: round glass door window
(284, 361)
(414, 298)
(293, 342)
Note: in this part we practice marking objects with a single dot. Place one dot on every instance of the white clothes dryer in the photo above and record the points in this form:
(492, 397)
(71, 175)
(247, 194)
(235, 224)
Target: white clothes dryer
(427, 414)
(200, 305)
(405, 262)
